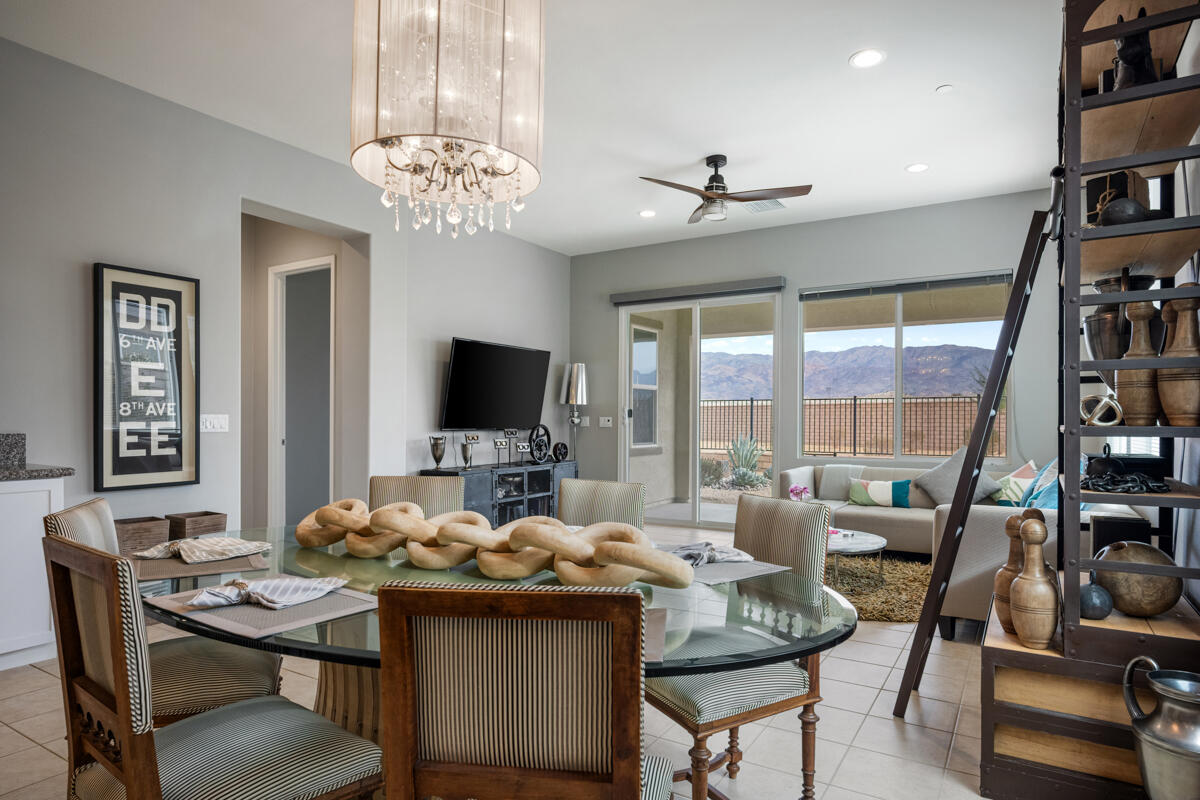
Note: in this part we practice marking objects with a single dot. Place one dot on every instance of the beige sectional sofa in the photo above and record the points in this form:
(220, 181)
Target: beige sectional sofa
(919, 529)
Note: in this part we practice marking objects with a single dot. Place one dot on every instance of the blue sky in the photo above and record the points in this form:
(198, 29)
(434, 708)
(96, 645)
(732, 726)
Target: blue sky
(967, 334)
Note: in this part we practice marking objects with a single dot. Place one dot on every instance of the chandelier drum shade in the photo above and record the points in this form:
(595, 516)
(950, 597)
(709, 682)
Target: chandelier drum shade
(447, 107)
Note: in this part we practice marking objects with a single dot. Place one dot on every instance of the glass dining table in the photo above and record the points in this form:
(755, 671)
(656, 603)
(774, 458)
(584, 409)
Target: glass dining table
(750, 622)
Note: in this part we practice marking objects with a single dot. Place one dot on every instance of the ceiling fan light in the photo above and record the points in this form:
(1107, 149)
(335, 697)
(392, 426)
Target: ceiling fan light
(714, 210)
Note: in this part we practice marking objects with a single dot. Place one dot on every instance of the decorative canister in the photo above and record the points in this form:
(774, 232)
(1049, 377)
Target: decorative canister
(1137, 389)
(1179, 387)
(1168, 738)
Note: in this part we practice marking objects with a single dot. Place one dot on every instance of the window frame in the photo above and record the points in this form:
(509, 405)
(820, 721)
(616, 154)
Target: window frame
(634, 386)
(898, 289)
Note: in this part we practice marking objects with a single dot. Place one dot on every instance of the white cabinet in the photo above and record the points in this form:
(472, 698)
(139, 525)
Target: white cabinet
(26, 626)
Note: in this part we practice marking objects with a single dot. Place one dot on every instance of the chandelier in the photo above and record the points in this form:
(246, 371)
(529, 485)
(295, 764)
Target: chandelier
(447, 108)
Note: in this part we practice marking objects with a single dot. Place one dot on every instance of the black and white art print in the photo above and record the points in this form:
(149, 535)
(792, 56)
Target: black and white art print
(147, 387)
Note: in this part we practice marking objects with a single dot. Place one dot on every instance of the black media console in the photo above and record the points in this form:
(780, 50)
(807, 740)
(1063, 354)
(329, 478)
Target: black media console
(504, 492)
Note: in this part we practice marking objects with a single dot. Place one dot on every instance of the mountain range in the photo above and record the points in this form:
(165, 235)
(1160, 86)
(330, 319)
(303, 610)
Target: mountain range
(936, 371)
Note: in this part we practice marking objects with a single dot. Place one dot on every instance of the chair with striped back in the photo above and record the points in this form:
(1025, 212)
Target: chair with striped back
(781, 532)
(501, 691)
(583, 502)
(191, 674)
(266, 747)
(435, 494)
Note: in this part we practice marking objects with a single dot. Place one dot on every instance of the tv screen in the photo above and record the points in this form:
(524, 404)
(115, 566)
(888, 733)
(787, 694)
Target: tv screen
(493, 386)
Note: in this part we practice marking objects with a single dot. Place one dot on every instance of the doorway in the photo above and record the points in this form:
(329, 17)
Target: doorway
(698, 382)
(300, 388)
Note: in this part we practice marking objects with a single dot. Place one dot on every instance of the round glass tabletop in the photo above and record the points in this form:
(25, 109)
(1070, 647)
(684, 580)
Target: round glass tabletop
(746, 623)
(847, 542)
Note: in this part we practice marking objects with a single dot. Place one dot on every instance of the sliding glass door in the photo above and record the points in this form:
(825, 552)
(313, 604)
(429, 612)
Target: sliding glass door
(699, 388)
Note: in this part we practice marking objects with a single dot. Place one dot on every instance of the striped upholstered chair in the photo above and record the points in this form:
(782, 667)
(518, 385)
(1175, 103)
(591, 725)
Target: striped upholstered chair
(585, 503)
(190, 674)
(504, 691)
(267, 747)
(435, 494)
(781, 532)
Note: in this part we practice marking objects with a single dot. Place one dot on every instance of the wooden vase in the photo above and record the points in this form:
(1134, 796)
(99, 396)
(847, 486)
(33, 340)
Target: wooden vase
(1179, 388)
(1033, 598)
(1002, 583)
(1137, 389)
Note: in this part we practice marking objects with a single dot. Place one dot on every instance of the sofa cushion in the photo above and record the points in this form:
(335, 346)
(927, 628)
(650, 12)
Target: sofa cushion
(941, 481)
(797, 476)
(835, 481)
(908, 529)
(880, 493)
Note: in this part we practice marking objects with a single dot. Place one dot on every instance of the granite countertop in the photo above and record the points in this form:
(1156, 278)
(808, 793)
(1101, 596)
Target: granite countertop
(32, 472)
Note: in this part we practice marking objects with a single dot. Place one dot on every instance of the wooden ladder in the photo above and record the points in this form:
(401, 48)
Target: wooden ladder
(989, 404)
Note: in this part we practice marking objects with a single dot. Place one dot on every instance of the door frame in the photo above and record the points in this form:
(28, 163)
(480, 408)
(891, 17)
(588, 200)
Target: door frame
(277, 377)
(625, 387)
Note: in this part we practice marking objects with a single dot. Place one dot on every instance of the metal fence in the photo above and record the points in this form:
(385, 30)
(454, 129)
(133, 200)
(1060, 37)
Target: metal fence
(855, 426)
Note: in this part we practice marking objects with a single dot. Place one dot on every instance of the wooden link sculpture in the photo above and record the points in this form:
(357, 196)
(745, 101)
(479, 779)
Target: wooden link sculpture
(604, 554)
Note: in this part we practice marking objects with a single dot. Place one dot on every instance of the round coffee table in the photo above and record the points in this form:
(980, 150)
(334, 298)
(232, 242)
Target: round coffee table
(854, 543)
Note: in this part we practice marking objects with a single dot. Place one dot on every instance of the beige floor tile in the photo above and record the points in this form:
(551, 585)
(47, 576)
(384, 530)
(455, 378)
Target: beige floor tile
(910, 627)
(655, 723)
(887, 777)
(11, 741)
(50, 666)
(756, 782)
(673, 752)
(860, 672)
(971, 692)
(936, 664)
(833, 725)
(964, 754)
(781, 750)
(892, 684)
(879, 633)
(300, 689)
(53, 788)
(922, 711)
(942, 687)
(865, 651)
(304, 666)
(838, 793)
(58, 747)
(848, 696)
(27, 767)
(896, 738)
(968, 721)
(958, 786)
(954, 649)
(44, 727)
(20, 680)
(30, 704)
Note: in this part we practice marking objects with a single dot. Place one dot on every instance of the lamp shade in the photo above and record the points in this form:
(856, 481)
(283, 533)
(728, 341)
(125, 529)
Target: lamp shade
(574, 385)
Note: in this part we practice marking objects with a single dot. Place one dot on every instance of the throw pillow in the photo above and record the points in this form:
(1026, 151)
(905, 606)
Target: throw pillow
(835, 481)
(798, 476)
(941, 481)
(880, 493)
(1043, 492)
(1014, 484)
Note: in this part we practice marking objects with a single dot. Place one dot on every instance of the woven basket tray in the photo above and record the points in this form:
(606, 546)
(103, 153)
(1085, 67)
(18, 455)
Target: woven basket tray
(195, 523)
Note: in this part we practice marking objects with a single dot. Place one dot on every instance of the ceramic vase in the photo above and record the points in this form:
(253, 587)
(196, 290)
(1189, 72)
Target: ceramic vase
(1137, 389)
(1106, 333)
(1002, 583)
(1179, 388)
(1033, 598)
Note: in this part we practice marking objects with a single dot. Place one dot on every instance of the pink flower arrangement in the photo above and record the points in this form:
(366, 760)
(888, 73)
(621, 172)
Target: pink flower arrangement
(799, 493)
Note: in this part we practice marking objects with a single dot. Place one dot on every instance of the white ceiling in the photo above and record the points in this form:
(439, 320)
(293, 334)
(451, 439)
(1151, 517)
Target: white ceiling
(644, 87)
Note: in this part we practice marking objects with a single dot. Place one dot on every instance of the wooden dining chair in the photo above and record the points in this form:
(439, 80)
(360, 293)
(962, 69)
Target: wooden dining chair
(435, 494)
(781, 532)
(584, 502)
(189, 674)
(495, 692)
(266, 747)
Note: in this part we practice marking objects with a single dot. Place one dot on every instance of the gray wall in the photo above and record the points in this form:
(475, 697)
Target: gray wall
(489, 287)
(940, 240)
(306, 381)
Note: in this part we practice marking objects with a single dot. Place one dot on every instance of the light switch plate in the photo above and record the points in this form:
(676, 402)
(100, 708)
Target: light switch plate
(606, 422)
(585, 421)
(214, 423)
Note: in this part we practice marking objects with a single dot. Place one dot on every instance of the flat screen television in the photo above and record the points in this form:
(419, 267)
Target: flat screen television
(493, 386)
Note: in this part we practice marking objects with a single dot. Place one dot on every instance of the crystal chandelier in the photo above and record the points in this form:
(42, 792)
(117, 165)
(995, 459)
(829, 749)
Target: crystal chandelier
(447, 108)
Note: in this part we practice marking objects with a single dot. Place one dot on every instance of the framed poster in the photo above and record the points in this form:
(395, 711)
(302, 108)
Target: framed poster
(147, 379)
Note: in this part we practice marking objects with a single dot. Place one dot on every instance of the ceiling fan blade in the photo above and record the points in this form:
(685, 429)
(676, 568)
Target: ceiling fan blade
(769, 194)
(697, 214)
(681, 187)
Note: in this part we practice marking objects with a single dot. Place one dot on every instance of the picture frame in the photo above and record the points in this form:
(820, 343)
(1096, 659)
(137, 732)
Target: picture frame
(146, 379)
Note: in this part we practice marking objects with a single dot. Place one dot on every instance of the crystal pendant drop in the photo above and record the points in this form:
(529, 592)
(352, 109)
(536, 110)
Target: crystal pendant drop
(481, 213)
(518, 204)
(453, 214)
(416, 220)
(454, 231)
(410, 201)
(426, 215)
(470, 226)
(386, 198)
(491, 218)
(438, 226)
(508, 216)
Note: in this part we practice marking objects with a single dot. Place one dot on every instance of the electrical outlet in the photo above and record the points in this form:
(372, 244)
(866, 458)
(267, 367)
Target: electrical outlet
(214, 423)
(585, 421)
(606, 422)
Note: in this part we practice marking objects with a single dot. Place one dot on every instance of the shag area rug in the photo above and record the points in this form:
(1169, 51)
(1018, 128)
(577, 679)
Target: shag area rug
(898, 599)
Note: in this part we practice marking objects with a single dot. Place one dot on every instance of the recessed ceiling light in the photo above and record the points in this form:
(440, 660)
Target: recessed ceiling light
(917, 167)
(648, 213)
(867, 58)
(945, 88)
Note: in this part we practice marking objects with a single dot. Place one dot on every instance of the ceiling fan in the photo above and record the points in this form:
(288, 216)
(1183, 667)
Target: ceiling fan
(715, 197)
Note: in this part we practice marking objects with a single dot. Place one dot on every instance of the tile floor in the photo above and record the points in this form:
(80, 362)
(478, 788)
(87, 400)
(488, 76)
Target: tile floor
(862, 750)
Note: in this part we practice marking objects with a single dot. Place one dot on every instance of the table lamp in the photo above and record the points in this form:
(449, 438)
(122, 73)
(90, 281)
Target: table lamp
(574, 394)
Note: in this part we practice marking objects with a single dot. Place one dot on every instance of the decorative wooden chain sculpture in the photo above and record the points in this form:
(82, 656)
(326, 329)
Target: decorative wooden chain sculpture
(604, 554)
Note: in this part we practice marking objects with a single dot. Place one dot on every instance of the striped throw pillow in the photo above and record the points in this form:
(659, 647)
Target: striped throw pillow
(879, 493)
(1014, 484)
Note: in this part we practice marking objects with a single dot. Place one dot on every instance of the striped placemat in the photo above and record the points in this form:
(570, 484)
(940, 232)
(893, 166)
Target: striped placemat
(255, 622)
(158, 569)
(729, 571)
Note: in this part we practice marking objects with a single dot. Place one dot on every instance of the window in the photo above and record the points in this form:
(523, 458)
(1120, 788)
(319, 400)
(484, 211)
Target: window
(945, 333)
(644, 368)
